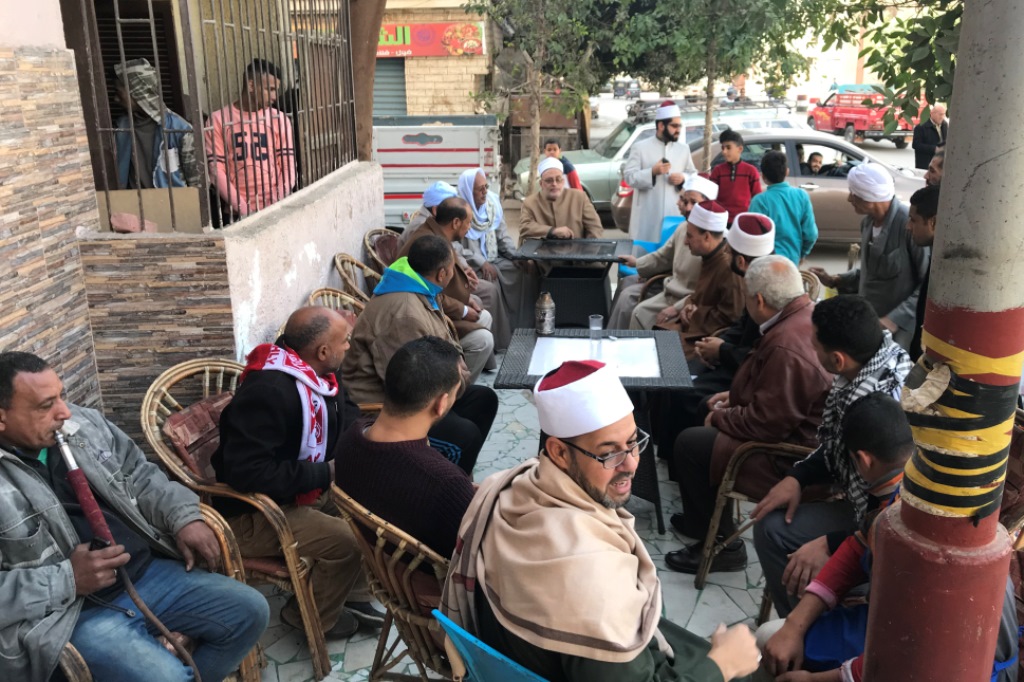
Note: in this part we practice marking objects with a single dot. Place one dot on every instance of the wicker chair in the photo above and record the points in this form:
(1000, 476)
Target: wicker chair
(347, 268)
(73, 665)
(185, 438)
(381, 248)
(336, 299)
(812, 285)
(652, 287)
(393, 568)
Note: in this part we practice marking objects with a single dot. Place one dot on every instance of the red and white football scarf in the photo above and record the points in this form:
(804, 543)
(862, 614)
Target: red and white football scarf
(312, 390)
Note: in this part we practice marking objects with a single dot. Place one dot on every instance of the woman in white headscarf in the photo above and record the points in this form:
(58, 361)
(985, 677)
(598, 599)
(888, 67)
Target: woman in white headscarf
(489, 250)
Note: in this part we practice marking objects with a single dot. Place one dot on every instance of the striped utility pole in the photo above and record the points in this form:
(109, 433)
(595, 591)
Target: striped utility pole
(941, 557)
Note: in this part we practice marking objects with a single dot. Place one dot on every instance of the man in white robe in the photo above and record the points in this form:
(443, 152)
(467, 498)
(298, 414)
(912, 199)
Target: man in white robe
(654, 169)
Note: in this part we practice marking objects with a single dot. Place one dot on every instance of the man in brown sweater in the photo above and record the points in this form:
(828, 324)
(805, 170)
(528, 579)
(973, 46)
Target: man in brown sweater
(388, 464)
(777, 395)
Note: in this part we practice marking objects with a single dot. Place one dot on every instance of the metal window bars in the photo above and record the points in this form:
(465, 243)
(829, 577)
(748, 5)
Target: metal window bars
(268, 99)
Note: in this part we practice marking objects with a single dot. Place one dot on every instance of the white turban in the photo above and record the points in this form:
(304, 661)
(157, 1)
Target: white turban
(871, 182)
(549, 163)
(698, 183)
(580, 397)
(666, 111)
(707, 215)
(752, 235)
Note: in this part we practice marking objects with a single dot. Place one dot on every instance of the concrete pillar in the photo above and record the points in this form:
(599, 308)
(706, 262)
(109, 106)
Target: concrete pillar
(940, 556)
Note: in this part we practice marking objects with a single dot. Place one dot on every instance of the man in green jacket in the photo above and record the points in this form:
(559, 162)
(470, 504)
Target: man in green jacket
(548, 568)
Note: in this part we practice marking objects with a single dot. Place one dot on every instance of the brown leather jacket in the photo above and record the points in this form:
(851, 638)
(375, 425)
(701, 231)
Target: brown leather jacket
(778, 393)
(456, 295)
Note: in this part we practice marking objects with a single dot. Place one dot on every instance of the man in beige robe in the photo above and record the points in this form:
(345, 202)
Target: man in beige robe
(557, 212)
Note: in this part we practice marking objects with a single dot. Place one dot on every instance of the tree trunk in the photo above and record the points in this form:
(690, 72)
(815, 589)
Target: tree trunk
(365, 17)
(536, 94)
(941, 557)
(709, 101)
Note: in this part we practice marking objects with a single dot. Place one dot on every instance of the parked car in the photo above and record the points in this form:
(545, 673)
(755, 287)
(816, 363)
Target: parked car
(600, 168)
(627, 88)
(845, 113)
(828, 189)
(643, 111)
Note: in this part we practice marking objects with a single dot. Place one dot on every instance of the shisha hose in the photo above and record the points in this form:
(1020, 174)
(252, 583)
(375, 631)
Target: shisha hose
(101, 530)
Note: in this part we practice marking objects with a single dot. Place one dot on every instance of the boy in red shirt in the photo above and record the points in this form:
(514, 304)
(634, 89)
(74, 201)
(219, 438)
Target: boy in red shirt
(738, 181)
(251, 146)
(553, 150)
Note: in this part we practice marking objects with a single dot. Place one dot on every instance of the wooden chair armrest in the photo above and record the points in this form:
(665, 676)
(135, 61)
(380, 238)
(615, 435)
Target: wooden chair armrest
(261, 502)
(743, 452)
(370, 408)
(649, 282)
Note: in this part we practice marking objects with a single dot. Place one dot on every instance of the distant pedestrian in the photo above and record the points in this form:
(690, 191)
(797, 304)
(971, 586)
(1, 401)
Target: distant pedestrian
(738, 181)
(930, 135)
(788, 207)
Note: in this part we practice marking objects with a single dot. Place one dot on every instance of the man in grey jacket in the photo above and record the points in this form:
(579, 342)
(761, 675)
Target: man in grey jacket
(892, 266)
(57, 589)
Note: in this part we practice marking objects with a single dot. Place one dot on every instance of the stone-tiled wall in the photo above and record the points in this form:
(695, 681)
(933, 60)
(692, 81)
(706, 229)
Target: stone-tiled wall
(443, 86)
(154, 300)
(46, 192)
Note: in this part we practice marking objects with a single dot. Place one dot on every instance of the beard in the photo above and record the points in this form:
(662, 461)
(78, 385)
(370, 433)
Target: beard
(602, 498)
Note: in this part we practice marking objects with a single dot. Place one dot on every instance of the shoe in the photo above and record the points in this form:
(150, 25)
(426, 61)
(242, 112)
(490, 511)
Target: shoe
(678, 522)
(345, 627)
(367, 612)
(687, 560)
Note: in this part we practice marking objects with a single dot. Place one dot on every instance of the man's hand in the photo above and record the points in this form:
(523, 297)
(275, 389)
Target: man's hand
(786, 493)
(95, 570)
(687, 313)
(889, 324)
(734, 651)
(471, 314)
(825, 278)
(474, 281)
(661, 168)
(718, 401)
(197, 537)
(785, 650)
(804, 564)
(562, 232)
(676, 178)
(628, 261)
(489, 272)
(708, 350)
(668, 314)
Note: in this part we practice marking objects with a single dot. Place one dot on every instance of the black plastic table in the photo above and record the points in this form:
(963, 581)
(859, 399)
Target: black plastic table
(675, 374)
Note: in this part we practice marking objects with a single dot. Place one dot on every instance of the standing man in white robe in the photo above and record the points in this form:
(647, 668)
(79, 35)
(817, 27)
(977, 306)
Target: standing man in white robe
(654, 169)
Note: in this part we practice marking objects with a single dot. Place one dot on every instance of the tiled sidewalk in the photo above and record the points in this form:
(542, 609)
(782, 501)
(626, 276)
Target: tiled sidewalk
(728, 598)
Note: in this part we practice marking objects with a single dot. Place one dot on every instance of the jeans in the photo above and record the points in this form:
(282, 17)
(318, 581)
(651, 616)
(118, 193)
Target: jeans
(226, 618)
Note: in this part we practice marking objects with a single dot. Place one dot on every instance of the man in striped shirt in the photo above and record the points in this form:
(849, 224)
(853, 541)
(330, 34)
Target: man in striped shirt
(251, 146)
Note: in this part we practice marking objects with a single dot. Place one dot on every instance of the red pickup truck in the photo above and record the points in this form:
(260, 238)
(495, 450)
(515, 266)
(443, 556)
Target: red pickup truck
(844, 113)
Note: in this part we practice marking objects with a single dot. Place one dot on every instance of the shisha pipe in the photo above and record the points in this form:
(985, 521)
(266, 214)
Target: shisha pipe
(100, 529)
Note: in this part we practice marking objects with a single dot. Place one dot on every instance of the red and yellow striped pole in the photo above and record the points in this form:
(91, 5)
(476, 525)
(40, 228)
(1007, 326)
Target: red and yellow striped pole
(941, 557)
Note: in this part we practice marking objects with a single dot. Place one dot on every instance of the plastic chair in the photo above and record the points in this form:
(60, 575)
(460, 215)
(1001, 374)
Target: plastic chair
(668, 228)
(347, 268)
(482, 662)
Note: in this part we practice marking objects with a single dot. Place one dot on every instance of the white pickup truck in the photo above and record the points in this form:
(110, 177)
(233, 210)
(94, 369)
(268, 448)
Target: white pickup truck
(417, 151)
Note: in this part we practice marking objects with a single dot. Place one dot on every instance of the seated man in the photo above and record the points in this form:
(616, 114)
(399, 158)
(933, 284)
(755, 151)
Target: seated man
(548, 568)
(674, 258)
(387, 465)
(404, 307)
(472, 323)
(432, 197)
(776, 397)
(794, 542)
(555, 212)
(718, 358)
(56, 589)
(820, 634)
(277, 437)
(489, 250)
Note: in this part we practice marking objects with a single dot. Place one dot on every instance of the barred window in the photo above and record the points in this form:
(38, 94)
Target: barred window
(202, 112)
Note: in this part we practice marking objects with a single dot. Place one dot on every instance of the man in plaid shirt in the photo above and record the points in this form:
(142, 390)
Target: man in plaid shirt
(792, 541)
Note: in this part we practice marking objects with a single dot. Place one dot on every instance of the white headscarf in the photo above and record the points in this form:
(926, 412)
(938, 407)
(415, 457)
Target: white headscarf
(486, 218)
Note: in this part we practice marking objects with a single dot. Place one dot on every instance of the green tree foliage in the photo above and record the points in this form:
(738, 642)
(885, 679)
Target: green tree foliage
(913, 54)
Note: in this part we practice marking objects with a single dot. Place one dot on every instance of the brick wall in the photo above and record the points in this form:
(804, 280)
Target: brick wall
(443, 86)
(154, 300)
(46, 192)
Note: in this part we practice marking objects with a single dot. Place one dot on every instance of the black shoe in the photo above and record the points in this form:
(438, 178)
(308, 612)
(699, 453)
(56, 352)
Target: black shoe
(366, 612)
(687, 560)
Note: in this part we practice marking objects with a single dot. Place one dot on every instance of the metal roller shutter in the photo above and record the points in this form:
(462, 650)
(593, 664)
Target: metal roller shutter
(389, 88)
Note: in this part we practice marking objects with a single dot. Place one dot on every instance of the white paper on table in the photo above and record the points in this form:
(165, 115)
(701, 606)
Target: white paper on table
(630, 357)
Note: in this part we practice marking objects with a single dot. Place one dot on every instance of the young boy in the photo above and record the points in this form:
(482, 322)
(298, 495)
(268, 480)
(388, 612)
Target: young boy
(789, 207)
(738, 181)
(819, 635)
(553, 150)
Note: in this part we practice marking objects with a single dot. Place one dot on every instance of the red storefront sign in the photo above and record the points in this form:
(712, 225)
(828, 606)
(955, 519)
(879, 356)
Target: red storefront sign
(431, 40)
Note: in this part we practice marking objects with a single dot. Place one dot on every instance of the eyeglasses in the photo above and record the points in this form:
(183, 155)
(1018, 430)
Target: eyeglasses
(614, 459)
(558, 180)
